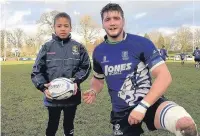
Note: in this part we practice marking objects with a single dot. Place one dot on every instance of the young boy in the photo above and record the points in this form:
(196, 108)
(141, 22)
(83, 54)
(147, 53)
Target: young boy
(61, 57)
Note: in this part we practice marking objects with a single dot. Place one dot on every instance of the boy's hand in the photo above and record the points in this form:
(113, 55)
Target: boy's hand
(46, 92)
(75, 88)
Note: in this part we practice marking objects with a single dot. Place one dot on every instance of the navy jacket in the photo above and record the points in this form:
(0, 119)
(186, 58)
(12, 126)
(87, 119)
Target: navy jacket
(61, 58)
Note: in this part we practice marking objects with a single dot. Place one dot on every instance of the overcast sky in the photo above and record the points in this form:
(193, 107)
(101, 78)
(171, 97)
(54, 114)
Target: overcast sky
(140, 16)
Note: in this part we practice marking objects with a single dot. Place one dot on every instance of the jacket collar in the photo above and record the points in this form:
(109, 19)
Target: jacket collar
(55, 37)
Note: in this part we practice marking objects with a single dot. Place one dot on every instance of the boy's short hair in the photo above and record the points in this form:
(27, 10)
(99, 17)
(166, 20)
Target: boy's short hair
(64, 15)
(112, 7)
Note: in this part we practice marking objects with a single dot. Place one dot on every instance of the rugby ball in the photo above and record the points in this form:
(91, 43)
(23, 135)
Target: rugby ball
(61, 88)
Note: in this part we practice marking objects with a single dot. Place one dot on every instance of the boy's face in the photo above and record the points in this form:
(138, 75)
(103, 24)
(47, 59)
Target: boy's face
(62, 27)
(113, 23)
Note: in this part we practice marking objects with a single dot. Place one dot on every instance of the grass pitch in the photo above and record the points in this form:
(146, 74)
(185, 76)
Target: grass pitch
(23, 113)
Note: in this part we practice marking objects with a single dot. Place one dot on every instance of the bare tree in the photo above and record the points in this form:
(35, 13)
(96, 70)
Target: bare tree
(4, 43)
(2, 34)
(154, 35)
(168, 42)
(39, 39)
(15, 38)
(161, 41)
(19, 33)
(183, 39)
(147, 36)
(34, 43)
(11, 40)
(197, 37)
(46, 22)
(30, 41)
(89, 29)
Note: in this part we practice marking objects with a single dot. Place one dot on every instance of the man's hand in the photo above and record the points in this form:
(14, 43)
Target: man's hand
(135, 117)
(138, 113)
(89, 96)
(46, 92)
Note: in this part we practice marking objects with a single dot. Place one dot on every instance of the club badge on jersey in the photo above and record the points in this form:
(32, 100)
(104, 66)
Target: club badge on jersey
(125, 55)
(75, 50)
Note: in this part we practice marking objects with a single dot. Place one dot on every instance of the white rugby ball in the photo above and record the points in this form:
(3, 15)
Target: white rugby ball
(61, 88)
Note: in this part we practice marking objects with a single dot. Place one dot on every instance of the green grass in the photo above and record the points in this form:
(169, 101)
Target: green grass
(16, 62)
(23, 113)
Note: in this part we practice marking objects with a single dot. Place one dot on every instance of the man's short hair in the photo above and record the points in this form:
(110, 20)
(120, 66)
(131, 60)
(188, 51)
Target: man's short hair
(112, 7)
(197, 48)
(60, 15)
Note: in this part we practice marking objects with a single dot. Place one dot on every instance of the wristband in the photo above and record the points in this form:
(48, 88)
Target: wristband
(142, 107)
(144, 104)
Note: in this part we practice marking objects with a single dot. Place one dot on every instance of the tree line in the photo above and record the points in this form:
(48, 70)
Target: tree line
(184, 39)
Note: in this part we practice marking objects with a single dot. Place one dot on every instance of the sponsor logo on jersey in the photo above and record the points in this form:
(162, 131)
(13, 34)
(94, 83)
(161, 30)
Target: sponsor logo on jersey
(104, 59)
(117, 69)
(117, 131)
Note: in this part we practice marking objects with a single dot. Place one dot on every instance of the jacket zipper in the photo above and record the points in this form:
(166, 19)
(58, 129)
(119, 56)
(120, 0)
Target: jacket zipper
(62, 61)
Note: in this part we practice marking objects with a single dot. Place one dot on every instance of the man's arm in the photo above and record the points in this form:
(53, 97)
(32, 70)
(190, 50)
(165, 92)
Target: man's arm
(96, 85)
(162, 81)
(158, 70)
(159, 87)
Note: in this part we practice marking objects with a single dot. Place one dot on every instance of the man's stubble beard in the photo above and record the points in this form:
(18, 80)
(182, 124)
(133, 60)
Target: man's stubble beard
(115, 36)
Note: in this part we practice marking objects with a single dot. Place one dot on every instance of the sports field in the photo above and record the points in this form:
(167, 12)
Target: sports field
(23, 113)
